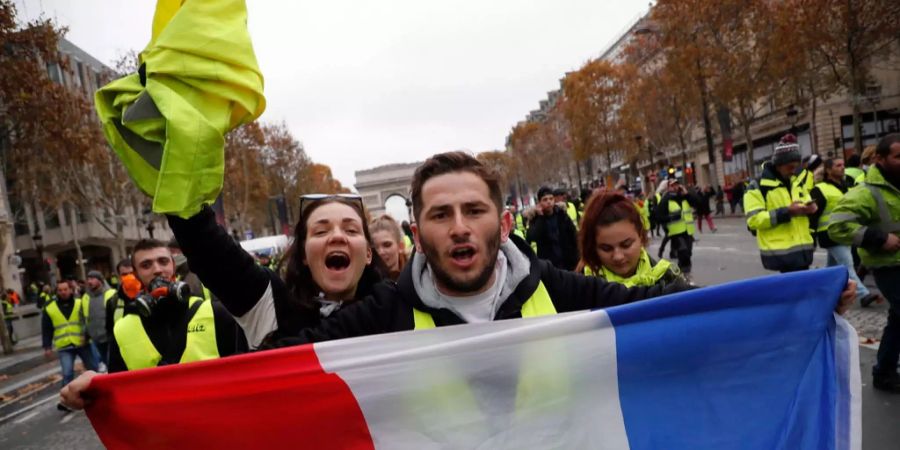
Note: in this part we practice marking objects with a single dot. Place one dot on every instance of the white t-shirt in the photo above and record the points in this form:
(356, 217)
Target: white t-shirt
(479, 307)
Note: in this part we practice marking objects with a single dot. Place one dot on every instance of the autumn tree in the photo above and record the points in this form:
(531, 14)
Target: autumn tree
(592, 98)
(246, 189)
(843, 39)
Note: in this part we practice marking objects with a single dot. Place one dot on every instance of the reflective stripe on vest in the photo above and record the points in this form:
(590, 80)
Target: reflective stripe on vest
(832, 195)
(681, 218)
(66, 331)
(539, 304)
(138, 351)
(86, 301)
(886, 222)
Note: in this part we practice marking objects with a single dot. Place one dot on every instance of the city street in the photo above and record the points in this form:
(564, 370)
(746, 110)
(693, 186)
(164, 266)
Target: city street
(29, 419)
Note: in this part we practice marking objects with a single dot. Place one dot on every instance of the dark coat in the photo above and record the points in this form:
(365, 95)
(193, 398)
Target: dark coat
(561, 250)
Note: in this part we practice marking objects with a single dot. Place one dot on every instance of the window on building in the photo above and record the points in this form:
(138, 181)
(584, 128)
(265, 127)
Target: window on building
(51, 219)
(54, 72)
(79, 74)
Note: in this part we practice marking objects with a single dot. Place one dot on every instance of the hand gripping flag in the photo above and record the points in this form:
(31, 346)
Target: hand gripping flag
(198, 80)
(757, 364)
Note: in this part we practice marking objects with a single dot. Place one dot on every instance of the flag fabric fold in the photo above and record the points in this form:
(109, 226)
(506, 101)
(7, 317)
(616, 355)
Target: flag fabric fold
(198, 80)
(761, 363)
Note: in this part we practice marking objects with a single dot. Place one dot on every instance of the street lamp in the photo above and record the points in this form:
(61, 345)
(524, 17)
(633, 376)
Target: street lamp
(793, 116)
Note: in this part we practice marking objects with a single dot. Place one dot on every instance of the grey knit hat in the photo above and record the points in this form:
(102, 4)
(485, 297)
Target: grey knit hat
(786, 151)
(95, 274)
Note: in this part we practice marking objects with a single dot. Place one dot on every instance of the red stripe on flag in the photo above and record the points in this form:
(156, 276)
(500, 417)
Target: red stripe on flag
(275, 399)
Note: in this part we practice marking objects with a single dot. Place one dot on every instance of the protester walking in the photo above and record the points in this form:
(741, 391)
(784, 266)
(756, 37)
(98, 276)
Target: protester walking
(675, 211)
(94, 304)
(704, 211)
(720, 201)
(554, 232)
(615, 243)
(869, 215)
(63, 332)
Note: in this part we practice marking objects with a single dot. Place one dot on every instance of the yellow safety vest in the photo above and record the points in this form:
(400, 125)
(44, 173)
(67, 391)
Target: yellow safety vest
(572, 212)
(681, 218)
(66, 330)
(832, 196)
(539, 304)
(86, 300)
(646, 274)
(138, 351)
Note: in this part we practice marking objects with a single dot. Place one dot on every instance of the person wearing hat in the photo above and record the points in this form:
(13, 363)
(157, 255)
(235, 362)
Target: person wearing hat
(553, 232)
(778, 207)
(94, 303)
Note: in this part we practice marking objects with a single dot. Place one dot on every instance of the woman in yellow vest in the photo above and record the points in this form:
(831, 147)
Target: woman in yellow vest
(613, 241)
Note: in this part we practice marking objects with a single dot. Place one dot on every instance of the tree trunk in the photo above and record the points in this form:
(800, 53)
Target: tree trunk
(5, 342)
(814, 129)
(609, 168)
(82, 274)
(120, 238)
(748, 141)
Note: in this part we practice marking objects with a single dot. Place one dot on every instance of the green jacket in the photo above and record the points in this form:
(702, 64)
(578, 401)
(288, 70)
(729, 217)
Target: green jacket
(864, 217)
(198, 80)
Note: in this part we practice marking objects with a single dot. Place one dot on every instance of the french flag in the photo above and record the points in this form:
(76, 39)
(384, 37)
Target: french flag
(756, 364)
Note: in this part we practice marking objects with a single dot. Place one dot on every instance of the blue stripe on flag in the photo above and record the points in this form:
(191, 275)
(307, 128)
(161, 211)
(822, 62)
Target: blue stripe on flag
(755, 356)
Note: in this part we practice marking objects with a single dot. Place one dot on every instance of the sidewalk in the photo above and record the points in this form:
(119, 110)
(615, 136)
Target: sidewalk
(27, 353)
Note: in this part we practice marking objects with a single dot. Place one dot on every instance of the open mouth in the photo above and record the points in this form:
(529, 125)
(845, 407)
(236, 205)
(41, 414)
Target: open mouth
(462, 254)
(337, 261)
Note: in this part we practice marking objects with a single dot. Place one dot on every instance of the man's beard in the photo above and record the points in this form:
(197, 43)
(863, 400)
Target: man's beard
(432, 257)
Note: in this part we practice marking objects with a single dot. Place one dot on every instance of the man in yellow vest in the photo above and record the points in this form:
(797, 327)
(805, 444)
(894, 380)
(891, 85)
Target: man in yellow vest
(778, 210)
(97, 297)
(170, 325)
(675, 211)
(63, 331)
(827, 194)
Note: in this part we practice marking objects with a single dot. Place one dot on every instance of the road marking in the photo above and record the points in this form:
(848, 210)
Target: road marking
(29, 407)
(68, 417)
(26, 417)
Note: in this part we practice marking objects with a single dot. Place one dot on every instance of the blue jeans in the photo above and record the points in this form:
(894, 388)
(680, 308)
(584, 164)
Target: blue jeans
(100, 350)
(67, 361)
(888, 281)
(840, 255)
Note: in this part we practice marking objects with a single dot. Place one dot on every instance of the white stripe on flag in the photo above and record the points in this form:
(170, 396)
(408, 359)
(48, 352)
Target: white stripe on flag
(533, 383)
(846, 350)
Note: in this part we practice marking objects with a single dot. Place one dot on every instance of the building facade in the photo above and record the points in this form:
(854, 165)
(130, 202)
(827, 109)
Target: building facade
(44, 246)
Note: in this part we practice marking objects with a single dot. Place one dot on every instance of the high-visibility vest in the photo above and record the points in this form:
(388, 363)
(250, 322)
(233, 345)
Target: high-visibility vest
(643, 207)
(520, 223)
(787, 245)
(646, 274)
(681, 218)
(857, 174)
(138, 351)
(538, 385)
(572, 212)
(7, 308)
(873, 204)
(407, 242)
(539, 304)
(86, 302)
(66, 330)
(207, 295)
(832, 196)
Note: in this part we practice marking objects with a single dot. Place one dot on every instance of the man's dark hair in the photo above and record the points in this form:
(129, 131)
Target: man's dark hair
(174, 244)
(124, 263)
(853, 160)
(450, 162)
(146, 244)
(884, 145)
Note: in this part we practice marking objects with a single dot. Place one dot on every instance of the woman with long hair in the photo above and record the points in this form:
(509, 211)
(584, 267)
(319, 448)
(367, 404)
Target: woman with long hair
(387, 238)
(330, 263)
(613, 243)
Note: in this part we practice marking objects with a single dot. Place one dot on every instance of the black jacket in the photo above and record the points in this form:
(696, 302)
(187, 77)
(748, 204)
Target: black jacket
(233, 276)
(561, 250)
(235, 279)
(390, 308)
(167, 330)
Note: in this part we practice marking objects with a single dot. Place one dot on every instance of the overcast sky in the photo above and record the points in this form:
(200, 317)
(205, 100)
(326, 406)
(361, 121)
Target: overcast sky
(365, 83)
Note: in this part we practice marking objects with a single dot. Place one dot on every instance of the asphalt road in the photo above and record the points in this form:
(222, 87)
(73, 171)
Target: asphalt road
(29, 419)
